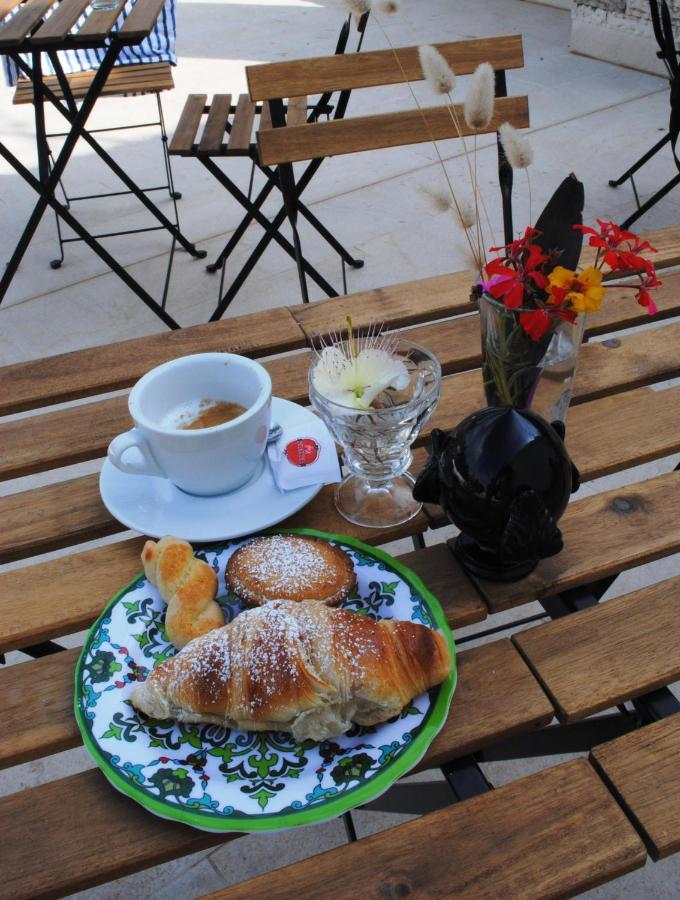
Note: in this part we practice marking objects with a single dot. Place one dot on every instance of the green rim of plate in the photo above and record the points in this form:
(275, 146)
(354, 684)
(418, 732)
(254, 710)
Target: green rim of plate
(330, 808)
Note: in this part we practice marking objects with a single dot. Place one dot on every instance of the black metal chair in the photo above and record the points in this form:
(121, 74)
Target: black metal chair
(229, 131)
(663, 31)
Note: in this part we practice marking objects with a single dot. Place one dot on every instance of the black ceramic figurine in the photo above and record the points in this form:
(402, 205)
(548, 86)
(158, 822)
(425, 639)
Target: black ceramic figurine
(504, 477)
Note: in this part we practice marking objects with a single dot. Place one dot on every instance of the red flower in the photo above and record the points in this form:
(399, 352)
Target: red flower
(643, 297)
(535, 323)
(504, 284)
(627, 261)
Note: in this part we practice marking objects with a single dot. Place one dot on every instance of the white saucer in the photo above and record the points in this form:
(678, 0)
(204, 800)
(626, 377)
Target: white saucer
(155, 507)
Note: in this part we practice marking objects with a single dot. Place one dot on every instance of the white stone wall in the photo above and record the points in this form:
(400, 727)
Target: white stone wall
(619, 31)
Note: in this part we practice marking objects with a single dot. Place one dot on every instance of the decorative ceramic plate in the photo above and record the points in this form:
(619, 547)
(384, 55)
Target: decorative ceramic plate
(219, 779)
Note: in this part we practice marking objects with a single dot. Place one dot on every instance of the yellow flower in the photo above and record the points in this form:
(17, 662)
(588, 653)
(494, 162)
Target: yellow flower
(582, 292)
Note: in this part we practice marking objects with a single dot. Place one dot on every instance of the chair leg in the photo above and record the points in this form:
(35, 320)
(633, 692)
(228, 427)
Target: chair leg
(617, 182)
(290, 202)
(174, 194)
(57, 262)
(651, 202)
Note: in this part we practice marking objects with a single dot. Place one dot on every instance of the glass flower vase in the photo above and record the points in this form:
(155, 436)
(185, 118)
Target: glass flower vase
(376, 442)
(524, 373)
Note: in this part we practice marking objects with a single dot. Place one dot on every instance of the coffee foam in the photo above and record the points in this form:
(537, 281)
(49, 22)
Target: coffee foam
(182, 415)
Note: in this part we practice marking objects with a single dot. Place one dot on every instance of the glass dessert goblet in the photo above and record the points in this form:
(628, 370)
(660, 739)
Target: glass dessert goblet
(376, 442)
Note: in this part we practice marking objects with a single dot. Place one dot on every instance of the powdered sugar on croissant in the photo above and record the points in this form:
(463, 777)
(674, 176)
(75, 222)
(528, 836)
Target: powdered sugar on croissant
(188, 585)
(300, 667)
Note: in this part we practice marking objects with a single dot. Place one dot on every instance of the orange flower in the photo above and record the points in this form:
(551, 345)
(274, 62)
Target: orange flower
(583, 292)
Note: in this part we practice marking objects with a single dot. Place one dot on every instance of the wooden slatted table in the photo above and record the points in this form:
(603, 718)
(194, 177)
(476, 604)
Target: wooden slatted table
(552, 834)
(29, 32)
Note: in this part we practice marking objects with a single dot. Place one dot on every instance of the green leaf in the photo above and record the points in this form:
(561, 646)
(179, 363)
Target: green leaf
(113, 731)
(142, 639)
(389, 587)
(263, 798)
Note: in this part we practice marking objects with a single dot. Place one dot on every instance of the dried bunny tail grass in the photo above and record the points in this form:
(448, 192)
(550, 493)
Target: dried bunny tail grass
(438, 199)
(385, 6)
(479, 101)
(517, 148)
(466, 216)
(470, 260)
(357, 8)
(436, 70)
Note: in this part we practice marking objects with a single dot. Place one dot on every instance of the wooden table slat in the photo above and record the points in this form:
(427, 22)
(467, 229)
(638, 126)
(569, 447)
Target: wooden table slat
(184, 137)
(99, 24)
(241, 134)
(643, 771)
(13, 32)
(214, 133)
(57, 27)
(496, 698)
(82, 373)
(610, 653)
(6, 6)
(603, 535)
(141, 21)
(553, 834)
(438, 569)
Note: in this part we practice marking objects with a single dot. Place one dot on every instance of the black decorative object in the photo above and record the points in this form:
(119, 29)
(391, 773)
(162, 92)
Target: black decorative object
(504, 477)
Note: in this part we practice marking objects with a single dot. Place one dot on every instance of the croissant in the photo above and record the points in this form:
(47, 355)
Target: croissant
(300, 667)
(187, 584)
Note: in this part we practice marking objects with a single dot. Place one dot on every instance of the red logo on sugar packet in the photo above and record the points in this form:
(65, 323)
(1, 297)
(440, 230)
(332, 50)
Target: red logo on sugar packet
(302, 452)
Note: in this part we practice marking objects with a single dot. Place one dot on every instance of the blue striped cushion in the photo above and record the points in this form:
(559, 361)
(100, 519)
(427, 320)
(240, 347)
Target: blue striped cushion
(158, 47)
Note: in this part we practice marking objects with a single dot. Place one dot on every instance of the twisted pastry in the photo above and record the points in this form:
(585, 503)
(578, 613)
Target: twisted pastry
(300, 667)
(188, 585)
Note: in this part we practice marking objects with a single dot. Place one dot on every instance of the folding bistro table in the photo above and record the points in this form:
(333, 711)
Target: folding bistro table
(559, 831)
(27, 30)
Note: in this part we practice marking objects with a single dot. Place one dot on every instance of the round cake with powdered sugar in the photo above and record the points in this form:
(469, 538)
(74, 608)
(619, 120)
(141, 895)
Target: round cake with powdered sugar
(290, 567)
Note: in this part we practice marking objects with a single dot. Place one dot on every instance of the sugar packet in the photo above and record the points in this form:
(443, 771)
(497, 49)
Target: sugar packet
(304, 455)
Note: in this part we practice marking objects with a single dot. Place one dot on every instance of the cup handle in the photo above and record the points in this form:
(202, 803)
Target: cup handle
(133, 438)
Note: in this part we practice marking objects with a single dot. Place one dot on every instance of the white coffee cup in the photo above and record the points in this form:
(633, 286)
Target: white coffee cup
(204, 461)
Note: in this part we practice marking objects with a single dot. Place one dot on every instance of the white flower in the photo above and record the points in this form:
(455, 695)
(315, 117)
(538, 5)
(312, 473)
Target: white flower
(436, 70)
(480, 97)
(517, 148)
(357, 380)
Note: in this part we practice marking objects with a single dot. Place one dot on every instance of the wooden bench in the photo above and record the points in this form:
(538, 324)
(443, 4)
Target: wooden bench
(642, 770)
(124, 81)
